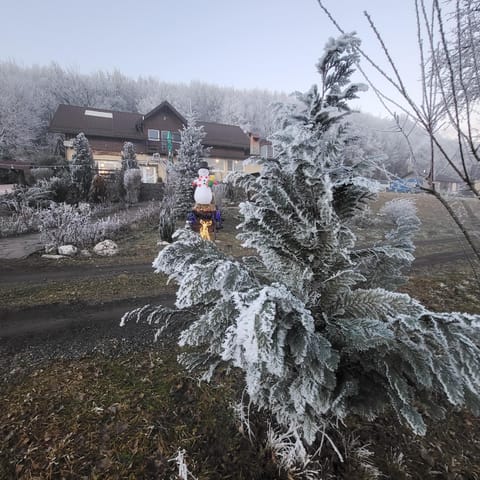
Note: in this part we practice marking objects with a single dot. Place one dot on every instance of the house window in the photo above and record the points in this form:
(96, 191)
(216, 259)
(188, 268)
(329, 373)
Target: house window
(149, 174)
(107, 166)
(164, 136)
(175, 136)
(154, 135)
(235, 165)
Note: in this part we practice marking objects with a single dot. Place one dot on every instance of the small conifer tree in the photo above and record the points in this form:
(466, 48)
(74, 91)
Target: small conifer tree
(312, 321)
(190, 154)
(129, 156)
(132, 177)
(83, 165)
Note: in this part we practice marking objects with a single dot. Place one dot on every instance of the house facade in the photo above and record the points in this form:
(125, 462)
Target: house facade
(153, 135)
(448, 184)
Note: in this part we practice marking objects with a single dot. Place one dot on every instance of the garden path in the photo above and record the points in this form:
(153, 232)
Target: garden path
(21, 246)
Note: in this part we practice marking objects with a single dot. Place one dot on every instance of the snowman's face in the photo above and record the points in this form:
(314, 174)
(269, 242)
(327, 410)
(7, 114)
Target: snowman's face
(203, 172)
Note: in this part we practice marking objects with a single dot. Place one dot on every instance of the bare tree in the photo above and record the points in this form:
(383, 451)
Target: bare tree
(446, 99)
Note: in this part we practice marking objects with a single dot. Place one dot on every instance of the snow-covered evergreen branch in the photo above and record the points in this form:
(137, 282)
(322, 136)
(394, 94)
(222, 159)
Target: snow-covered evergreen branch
(317, 332)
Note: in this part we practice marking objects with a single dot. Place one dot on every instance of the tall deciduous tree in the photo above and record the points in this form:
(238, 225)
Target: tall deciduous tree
(449, 79)
(312, 321)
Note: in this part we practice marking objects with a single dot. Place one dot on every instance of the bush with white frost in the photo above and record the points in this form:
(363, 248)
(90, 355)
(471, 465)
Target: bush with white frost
(313, 321)
(23, 220)
(63, 224)
(132, 182)
(82, 165)
(131, 174)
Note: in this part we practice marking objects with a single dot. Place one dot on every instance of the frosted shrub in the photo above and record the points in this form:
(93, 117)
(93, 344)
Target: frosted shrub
(129, 157)
(318, 334)
(167, 221)
(63, 224)
(399, 209)
(61, 187)
(37, 195)
(132, 181)
(82, 165)
(115, 191)
(20, 208)
(23, 220)
(41, 173)
(172, 206)
(148, 214)
(219, 194)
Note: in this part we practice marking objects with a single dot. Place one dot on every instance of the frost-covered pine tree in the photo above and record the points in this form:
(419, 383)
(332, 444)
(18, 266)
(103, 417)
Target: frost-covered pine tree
(83, 165)
(132, 176)
(168, 206)
(312, 321)
(129, 156)
(190, 154)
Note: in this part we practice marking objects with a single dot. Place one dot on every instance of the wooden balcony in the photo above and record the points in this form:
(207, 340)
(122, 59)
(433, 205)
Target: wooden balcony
(160, 147)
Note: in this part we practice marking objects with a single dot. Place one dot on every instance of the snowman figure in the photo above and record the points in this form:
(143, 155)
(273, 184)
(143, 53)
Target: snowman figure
(203, 193)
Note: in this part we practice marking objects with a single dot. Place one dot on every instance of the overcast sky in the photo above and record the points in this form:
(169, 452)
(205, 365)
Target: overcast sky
(270, 44)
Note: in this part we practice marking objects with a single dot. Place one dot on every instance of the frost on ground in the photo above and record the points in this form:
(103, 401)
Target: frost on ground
(313, 321)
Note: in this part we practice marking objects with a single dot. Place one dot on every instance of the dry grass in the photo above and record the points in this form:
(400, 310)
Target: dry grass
(101, 418)
(87, 290)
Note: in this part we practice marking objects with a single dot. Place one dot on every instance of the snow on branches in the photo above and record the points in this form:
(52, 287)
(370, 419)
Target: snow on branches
(317, 331)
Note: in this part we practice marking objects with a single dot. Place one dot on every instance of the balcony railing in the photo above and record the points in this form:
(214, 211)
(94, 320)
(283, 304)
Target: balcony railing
(156, 147)
(160, 146)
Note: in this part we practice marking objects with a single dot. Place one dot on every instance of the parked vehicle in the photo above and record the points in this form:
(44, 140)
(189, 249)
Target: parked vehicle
(407, 185)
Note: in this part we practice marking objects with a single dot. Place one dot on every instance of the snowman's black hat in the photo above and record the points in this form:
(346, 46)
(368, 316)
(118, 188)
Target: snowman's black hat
(204, 164)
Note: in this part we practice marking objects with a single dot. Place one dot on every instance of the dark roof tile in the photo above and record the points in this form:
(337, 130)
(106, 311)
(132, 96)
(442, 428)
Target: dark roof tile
(72, 120)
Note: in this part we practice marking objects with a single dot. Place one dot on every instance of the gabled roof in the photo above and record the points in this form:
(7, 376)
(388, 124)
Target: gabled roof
(126, 125)
(220, 134)
(168, 106)
(73, 119)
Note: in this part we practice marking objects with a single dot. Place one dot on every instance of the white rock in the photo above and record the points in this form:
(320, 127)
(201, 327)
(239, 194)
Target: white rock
(85, 253)
(107, 248)
(69, 250)
(53, 257)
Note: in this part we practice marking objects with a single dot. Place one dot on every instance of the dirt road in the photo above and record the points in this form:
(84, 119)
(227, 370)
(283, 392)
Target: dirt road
(12, 273)
(34, 336)
(16, 273)
(30, 336)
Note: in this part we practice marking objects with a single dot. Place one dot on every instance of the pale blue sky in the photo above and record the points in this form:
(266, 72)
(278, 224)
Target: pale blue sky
(271, 44)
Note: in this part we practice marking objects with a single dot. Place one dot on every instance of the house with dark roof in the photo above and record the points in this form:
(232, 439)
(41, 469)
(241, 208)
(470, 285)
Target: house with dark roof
(153, 135)
(448, 183)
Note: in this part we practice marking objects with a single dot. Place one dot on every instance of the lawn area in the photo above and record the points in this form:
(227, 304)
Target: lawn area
(127, 415)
